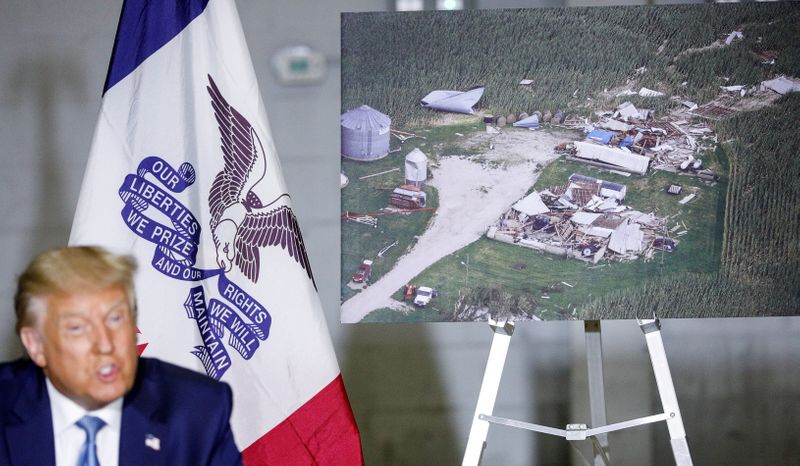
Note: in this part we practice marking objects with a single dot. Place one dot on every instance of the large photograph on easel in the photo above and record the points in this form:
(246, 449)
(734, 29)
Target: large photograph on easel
(571, 163)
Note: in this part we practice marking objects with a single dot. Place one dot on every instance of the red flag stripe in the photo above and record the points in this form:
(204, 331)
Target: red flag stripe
(321, 432)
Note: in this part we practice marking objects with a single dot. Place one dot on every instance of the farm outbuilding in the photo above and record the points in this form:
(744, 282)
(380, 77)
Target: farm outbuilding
(365, 134)
(416, 168)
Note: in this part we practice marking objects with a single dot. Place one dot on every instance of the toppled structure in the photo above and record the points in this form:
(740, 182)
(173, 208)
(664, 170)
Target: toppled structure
(453, 101)
(528, 122)
(629, 140)
(583, 219)
(782, 85)
(611, 157)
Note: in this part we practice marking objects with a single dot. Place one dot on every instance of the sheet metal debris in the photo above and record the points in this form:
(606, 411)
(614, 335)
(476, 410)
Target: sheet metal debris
(453, 101)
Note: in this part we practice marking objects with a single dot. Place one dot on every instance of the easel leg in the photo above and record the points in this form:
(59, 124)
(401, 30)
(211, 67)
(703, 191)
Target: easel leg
(666, 389)
(488, 394)
(597, 395)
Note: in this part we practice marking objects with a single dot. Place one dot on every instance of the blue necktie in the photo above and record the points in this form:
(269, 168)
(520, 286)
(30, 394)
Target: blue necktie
(90, 425)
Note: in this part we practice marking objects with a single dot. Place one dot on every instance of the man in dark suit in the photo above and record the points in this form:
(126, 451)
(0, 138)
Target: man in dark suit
(85, 397)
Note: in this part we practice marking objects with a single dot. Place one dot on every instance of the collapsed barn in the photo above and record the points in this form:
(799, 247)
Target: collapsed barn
(584, 219)
(628, 140)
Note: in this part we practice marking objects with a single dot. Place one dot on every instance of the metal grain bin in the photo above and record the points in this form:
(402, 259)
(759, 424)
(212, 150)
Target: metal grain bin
(416, 168)
(365, 134)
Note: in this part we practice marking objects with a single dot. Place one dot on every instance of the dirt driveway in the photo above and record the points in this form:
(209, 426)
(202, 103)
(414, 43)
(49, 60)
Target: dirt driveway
(473, 192)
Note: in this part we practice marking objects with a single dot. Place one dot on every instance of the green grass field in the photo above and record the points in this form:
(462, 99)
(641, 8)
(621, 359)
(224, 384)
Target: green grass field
(372, 194)
(524, 271)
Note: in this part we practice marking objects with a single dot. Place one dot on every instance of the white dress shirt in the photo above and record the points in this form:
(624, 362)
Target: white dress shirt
(69, 438)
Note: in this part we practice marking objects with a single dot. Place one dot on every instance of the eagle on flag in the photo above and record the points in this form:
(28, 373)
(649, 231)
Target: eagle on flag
(240, 222)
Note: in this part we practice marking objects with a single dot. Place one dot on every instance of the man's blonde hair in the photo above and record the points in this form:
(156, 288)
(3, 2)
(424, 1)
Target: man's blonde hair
(67, 270)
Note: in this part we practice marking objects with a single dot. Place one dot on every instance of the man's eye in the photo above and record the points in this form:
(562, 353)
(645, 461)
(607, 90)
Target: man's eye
(76, 329)
(115, 318)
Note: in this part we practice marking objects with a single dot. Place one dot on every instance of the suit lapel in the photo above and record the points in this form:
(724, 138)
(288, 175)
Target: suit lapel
(144, 431)
(30, 437)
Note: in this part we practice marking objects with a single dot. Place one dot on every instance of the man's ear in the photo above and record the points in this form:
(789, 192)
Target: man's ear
(32, 341)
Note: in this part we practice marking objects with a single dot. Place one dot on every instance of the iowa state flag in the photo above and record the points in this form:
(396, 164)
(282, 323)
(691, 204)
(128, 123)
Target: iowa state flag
(183, 175)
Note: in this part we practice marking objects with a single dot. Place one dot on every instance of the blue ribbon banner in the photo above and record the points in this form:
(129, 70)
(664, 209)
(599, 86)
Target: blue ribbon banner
(175, 256)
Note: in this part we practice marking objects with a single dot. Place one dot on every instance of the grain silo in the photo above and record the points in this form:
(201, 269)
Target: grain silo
(416, 168)
(365, 134)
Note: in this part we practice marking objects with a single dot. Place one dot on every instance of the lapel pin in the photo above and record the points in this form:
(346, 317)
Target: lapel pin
(151, 441)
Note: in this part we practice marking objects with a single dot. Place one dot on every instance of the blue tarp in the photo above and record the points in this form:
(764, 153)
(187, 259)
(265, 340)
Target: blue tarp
(627, 142)
(600, 136)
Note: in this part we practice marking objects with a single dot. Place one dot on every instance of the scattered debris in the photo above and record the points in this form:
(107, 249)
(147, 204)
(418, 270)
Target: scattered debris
(379, 173)
(361, 218)
(674, 189)
(627, 111)
(383, 251)
(664, 244)
(645, 92)
(404, 136)
(529, 122)
(782, 85)
(766, 57)
(735, 35)
(583, 219)
(687, 199)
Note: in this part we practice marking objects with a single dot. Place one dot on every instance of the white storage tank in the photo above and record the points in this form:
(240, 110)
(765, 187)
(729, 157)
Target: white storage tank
(365, 134)
(416, 168)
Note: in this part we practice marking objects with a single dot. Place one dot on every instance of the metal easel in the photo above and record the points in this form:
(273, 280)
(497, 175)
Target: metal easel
(483, 417)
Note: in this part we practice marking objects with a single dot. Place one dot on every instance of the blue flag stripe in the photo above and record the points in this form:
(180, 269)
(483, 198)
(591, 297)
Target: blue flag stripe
(144, 27)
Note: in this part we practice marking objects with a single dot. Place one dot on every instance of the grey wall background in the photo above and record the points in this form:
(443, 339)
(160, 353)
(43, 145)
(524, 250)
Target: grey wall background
(412, 387)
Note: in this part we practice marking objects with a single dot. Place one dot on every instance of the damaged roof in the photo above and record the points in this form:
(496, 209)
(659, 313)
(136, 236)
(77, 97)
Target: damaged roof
(782, 85)
(621, 158)
(453, 101)
(531, 205)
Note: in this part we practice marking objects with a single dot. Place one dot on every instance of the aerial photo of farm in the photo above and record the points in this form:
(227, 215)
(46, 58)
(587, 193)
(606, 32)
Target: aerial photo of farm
(571, 163)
